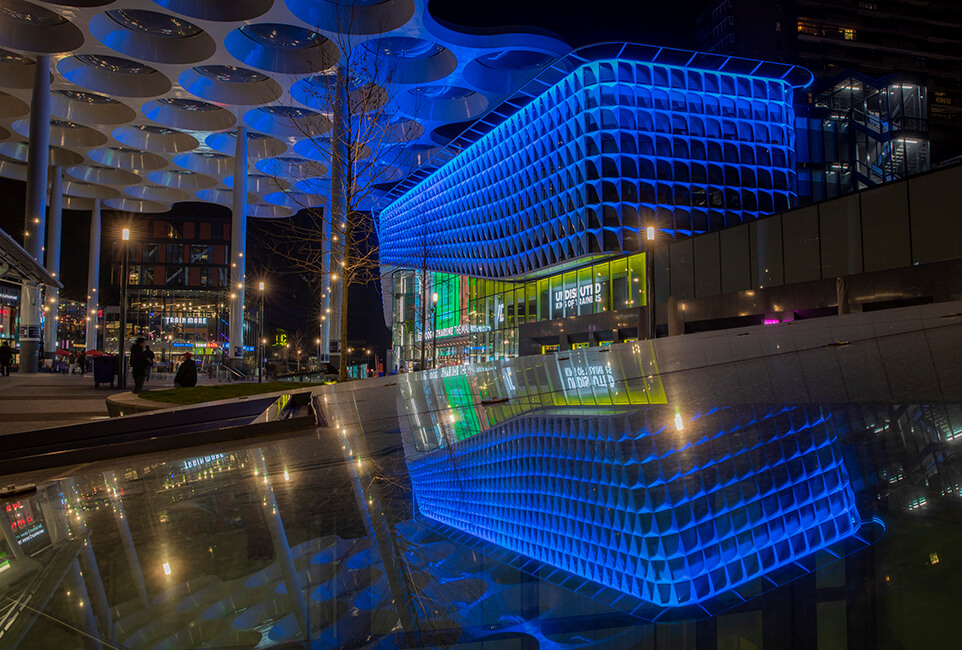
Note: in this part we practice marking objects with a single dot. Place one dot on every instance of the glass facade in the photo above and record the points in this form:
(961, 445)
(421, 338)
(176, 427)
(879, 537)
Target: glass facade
(188, 253)
(862, 132)
(179, 283)
(478, 319)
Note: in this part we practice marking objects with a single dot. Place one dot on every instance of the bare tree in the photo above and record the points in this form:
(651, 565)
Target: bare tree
(360, 132)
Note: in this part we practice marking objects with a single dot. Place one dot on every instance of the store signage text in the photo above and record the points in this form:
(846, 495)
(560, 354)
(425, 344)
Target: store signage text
(185, 320)
(583, 294)
(456, 330)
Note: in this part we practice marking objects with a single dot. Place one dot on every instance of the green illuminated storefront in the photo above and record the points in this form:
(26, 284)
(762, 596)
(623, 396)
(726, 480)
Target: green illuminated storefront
(477, 320)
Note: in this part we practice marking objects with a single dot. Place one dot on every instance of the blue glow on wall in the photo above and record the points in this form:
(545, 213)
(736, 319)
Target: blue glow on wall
(629, 501)
(614, 147)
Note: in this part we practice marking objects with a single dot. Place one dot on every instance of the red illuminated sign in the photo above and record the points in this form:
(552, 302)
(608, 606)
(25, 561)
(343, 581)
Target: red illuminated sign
(21, 520)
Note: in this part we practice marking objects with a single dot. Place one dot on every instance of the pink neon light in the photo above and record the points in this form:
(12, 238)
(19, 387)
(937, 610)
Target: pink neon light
(771, 321)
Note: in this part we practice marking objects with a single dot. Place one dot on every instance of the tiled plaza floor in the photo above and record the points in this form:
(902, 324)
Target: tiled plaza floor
(29, 402)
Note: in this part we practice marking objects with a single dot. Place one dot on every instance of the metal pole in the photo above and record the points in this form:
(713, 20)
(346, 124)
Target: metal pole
(93, 278)
(53, 262)
(434, 337)
(650, 281)
(35, 216)
(260, 342)
(238, 249)
(122, 380)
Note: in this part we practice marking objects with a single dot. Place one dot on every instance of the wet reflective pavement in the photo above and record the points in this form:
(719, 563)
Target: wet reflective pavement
(784, 487)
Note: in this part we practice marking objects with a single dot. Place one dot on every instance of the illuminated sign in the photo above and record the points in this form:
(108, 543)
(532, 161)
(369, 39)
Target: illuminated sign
(583, 294)
(185, 320)
(457, 330)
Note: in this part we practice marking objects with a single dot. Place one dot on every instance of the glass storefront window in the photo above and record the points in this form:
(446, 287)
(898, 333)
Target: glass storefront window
(602, 277)
(570, 297)
(531, 295)
(544, 300)
(620, 298)
(482, 317)
(636, 267)
(586, 292)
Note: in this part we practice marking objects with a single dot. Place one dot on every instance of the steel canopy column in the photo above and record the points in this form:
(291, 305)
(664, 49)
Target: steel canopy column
(54, 216)
(340, 155)
(93, 278)
(238, 249)
(34, 217)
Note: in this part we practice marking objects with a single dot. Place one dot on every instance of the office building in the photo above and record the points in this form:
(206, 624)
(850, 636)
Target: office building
(873, 38)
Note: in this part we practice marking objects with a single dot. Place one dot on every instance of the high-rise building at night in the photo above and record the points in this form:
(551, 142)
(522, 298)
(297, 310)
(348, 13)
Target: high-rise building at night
(875, 38)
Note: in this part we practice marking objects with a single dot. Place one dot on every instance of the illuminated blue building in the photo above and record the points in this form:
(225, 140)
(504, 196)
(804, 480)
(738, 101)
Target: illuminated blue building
(625, 138)
(607, 142)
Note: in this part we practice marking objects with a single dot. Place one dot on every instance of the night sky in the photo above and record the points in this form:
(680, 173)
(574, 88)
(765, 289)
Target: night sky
(658, 23)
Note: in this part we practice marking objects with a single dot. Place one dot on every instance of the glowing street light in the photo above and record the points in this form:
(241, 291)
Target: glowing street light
(260, 334)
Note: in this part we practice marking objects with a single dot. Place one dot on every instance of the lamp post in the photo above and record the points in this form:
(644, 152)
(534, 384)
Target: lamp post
(260, 335)
(125, 238)
(318, 342)
(434, 326)
(649, 280)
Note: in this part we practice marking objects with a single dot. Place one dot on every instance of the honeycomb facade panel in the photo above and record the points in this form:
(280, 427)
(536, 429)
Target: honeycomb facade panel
(612, 148)
(671, 517)
(202, 68)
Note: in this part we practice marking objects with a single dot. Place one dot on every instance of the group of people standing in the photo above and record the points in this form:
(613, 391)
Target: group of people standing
(142, 359)
(73, 361)
(77, 360)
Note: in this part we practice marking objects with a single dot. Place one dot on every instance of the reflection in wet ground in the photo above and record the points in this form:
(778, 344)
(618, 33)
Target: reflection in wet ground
(555, 503)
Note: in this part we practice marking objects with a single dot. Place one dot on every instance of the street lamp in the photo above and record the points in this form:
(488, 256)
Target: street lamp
(649, 279)
(260, 334)
(434, 339)
(318, 341)
(125, 238)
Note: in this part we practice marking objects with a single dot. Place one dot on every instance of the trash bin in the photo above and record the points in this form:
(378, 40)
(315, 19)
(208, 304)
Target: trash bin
(104, 370)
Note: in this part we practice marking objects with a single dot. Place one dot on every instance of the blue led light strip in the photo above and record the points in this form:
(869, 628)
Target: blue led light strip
(613, 147)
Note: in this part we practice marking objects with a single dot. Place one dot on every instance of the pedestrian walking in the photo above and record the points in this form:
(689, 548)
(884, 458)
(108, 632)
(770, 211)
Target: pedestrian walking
(138, 364)
(71, 363)
(149, 354)
(6, 359)
(82, 362)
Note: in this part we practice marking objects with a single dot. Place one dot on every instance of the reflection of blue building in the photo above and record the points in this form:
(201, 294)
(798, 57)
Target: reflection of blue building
(668, 511)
